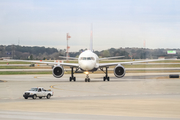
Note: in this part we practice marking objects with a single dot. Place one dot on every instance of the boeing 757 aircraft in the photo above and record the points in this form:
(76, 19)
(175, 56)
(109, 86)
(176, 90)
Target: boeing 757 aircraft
(88, 61)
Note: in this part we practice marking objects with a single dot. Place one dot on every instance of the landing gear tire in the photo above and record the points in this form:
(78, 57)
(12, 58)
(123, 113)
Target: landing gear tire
(72, 78)
(87, 79)
(106, 78)
(40, 97)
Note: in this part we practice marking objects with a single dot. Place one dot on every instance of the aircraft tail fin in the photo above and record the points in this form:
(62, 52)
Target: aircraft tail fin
(91, 38)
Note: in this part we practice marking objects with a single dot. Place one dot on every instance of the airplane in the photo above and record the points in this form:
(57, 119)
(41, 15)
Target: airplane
(88, 62)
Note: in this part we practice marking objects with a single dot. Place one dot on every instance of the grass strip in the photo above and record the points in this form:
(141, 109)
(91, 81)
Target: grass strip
(24, 67)
(24, 72)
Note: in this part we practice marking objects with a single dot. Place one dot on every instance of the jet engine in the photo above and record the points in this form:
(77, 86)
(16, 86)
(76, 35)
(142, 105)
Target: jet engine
(58, 71)
(119, 71)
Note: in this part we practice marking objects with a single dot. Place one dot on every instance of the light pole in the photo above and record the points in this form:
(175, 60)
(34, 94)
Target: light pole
(67, 53)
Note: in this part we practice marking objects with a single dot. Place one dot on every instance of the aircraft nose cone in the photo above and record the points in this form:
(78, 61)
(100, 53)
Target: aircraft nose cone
(87, 65)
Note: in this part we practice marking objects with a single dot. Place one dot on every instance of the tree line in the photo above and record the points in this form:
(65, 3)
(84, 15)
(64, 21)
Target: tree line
(39, 53)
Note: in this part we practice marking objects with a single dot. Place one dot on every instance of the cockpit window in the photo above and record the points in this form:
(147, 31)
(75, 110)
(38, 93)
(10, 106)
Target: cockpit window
(92, 58)
(87, 58)
(83, 58)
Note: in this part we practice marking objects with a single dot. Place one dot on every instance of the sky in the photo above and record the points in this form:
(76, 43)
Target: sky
(116, 23)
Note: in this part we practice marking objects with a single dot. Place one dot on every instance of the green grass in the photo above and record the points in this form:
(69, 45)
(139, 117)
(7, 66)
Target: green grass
(152, 71)
(23, 72)
(15, 67)
(151, 66)
(167, 61)
(14, 62)
(24, 67)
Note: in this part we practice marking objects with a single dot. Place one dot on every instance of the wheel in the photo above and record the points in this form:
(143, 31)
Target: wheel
(34, 96)
(88, 79)
(107, 78)
(74, 79)
(104, 78)
(70, 79)
(85, 79)
(40, 97)
(25, 97)
(48, 96)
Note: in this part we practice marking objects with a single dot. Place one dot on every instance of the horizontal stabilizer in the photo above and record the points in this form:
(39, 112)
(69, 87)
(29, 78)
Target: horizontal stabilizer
(74, 58)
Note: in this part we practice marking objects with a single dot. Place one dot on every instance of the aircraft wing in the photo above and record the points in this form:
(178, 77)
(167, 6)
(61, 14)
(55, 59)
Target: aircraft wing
(70, 64)
(110, 57)
(129, 62)
(51, 63)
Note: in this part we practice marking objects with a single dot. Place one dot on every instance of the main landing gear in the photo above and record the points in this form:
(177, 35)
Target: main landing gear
(72, 75)
(106, 72)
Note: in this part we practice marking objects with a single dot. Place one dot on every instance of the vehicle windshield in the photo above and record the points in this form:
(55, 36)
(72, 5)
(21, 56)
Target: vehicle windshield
(33, 89)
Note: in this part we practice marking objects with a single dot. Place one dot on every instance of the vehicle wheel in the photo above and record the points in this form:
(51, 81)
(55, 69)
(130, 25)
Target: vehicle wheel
(74, 79)
(104, 78)
(107, 78)
(88, 79)
(25, 97)
(34, 96)
(85, 80)
(48, 96)
(70, 79)
(40, 97)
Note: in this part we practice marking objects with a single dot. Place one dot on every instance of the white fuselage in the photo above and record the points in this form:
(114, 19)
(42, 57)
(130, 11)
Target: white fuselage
(88, 60)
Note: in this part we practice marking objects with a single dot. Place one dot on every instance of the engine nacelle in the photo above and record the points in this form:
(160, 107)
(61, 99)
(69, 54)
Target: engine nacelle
(58, 71)
(119, 71)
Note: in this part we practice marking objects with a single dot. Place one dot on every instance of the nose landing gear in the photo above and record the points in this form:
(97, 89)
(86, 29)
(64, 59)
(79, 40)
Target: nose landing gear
(87, 79)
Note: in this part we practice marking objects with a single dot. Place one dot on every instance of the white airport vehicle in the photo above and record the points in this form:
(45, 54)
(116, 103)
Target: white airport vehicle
(38, 92)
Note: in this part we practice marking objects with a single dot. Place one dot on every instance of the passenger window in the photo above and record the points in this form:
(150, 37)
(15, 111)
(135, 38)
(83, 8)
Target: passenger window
(84, 58)
(88, 58)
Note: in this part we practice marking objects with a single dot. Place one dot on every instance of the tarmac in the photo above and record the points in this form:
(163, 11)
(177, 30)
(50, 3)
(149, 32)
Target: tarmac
(139, 96)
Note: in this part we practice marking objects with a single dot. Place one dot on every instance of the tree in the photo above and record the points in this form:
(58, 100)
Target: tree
(31, 57)
(106, 53)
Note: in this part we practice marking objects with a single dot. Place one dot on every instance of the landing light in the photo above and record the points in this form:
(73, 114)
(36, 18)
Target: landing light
(86, 73)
